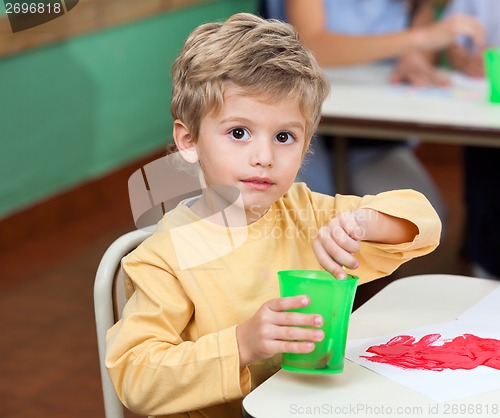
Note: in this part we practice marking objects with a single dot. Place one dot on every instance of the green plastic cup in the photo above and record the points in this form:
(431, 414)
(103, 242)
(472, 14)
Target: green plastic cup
(492, 68)
(332, 299)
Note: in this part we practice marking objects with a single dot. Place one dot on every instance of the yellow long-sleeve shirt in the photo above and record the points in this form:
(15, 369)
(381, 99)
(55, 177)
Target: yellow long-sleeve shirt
(175, 348)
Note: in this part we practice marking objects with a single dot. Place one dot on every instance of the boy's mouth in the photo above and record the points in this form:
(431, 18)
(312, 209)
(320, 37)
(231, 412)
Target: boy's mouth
(257, 183)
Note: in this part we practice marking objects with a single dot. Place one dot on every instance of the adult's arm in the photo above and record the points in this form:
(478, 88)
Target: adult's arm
(417, 66)
(335, 49)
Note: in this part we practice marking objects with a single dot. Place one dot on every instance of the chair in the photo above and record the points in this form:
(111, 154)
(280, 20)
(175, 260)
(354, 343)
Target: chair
(109, 300)
(150, 198)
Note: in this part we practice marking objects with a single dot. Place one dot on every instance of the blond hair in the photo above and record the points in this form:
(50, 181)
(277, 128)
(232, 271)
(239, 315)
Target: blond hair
(263, 57)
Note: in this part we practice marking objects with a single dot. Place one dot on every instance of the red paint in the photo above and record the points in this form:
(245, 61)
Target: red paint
(464, 352)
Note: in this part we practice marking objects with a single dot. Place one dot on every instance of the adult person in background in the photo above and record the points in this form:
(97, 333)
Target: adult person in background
(482, 165)
(352, 32)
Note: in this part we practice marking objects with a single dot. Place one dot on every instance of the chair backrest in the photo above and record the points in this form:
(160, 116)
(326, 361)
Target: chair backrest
(109, 300)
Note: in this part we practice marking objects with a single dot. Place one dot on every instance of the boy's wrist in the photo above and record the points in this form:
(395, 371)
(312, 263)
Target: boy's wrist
(244, 357)
(364, 219)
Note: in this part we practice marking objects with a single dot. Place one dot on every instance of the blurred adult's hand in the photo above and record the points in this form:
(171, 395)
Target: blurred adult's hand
(444, 33)
(469, 63)
(415, 68)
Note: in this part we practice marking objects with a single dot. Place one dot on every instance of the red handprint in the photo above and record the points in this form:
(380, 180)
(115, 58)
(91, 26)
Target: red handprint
(463, 352)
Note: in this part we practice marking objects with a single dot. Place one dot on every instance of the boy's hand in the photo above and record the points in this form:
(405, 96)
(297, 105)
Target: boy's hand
(338, 240)
(271, 331)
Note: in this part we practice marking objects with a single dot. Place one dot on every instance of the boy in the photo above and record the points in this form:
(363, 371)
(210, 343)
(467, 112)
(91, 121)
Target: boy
(205, 325)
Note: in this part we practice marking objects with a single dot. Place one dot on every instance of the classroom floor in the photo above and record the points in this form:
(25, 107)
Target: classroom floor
(49, 365)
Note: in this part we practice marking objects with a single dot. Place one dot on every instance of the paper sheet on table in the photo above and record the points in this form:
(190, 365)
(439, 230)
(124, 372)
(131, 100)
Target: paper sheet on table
(441, 386)
(462, 88)
(484, 311)
(460, 80)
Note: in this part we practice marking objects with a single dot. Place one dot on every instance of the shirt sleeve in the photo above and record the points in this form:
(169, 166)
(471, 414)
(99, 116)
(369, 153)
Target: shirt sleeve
(154, 369)
(377, 259)
(404, 204)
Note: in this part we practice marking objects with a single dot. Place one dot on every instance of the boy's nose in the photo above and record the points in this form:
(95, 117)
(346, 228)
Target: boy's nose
(262, 153)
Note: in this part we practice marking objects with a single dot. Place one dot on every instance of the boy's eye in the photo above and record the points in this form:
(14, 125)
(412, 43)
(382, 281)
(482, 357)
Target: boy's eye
(284, 137)
(239, 134)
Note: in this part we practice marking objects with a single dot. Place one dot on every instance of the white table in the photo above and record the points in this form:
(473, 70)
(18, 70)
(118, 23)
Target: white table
(363, 104)
(404, 304)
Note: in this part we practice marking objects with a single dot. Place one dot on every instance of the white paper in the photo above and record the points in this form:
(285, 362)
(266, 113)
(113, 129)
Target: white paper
(484, 311)
(462, 88)
(441, 386)
(460, 80)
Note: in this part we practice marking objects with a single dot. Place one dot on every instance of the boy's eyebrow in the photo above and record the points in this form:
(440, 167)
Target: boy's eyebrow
(291, 124)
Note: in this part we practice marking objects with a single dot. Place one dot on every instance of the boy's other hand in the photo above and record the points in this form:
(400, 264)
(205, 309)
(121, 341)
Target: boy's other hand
(271, 330)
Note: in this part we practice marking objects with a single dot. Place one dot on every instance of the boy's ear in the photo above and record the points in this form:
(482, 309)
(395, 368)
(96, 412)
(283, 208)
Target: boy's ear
(184, 142)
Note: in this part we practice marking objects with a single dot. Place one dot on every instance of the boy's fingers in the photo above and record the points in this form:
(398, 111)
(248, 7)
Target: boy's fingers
(332, 257)
(347, 233)
(337, 239)
(278, 346)
(293, 302)
(297, 347)
(346, 223)
(327, 262)
(298, 319)
(298, 334)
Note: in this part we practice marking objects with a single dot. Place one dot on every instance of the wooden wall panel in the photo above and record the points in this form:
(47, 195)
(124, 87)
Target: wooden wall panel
(87, 16)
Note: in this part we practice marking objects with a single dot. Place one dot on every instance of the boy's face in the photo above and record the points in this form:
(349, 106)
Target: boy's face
(252, 144)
